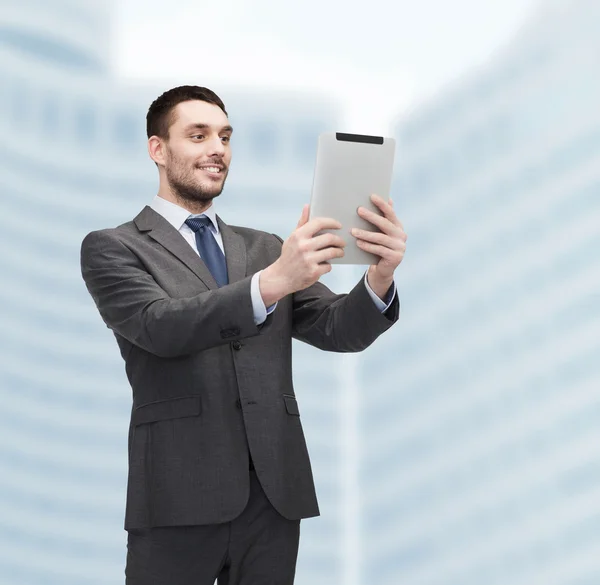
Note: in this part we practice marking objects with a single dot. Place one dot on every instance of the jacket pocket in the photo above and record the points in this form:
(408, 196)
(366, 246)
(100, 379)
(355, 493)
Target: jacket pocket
(291, 404)
(166, 409)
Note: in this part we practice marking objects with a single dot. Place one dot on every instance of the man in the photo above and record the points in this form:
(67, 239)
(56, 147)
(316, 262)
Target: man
(204, 314)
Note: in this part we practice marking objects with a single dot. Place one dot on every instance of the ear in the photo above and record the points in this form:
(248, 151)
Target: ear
(157, 150)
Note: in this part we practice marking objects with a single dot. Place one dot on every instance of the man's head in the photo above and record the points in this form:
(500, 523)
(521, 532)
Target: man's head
(188, 139)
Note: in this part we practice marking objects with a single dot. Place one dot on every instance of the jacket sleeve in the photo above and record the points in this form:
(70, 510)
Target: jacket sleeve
(339, 322)
(132, 304)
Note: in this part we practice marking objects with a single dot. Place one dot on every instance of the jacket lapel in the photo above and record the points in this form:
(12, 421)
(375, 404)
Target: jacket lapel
(160, 230)
(235, 252)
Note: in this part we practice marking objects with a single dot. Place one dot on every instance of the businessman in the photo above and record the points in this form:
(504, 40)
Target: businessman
(204, 314)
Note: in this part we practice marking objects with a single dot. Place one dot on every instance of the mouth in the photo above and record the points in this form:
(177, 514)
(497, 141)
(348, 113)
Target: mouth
(213, 170)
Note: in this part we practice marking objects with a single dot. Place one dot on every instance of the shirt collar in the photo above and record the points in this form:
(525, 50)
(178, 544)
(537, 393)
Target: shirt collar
(176, 215)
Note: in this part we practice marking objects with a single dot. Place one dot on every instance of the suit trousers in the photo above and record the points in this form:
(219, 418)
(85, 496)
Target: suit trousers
(259, 547)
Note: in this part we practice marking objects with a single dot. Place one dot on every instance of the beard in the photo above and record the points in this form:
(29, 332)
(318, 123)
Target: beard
(186, 186)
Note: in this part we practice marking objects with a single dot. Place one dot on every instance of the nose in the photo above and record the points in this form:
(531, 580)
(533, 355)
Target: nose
(217, 147)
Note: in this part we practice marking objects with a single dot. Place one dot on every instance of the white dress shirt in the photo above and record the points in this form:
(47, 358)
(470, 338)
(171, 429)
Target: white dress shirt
(177, 215)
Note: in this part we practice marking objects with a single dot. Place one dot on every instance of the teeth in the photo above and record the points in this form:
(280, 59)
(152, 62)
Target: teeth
(212, 169)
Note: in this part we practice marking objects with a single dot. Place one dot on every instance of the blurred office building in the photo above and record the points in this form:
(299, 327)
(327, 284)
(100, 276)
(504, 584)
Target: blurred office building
(74, 159)
(480, 419)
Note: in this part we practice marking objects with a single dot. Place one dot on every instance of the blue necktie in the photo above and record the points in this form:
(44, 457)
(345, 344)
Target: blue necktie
(209, 249)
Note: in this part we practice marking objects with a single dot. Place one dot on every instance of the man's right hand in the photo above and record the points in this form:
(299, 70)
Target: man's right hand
(304, 258)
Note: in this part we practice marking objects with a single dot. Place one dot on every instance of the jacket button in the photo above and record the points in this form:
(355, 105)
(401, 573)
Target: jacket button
(236, 345)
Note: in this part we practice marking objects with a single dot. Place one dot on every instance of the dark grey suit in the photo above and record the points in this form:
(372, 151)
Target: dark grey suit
(208, 384)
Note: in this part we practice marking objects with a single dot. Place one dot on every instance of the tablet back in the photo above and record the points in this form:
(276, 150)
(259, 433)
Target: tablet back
(349, 168)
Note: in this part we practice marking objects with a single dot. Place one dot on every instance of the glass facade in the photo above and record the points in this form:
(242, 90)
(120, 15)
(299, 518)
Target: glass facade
(481, 426)
(73, 156)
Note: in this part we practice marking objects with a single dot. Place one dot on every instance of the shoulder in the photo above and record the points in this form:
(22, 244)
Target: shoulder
(107, 235)
(258, 236)
(107, 243)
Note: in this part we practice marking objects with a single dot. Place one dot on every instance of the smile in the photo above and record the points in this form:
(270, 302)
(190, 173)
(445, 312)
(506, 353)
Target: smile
(212, 169)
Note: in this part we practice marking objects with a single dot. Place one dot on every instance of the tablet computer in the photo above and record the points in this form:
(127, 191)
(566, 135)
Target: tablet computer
(349, 168)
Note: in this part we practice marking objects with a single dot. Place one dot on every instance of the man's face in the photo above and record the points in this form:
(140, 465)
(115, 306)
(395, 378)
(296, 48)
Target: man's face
(198, 152)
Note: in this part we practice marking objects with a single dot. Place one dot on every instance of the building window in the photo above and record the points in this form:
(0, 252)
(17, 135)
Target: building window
(86, 128)
(50, 115)
(305, 144)
(127, 130)
(46, 48)
(18, 104)
(265, 141)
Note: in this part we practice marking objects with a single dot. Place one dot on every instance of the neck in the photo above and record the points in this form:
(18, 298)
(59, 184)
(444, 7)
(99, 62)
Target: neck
(194, 207)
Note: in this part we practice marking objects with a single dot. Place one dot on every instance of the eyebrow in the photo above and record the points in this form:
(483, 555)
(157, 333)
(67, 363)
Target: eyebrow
(201, 126)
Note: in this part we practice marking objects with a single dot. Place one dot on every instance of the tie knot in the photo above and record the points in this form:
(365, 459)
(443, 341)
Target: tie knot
(195, 223)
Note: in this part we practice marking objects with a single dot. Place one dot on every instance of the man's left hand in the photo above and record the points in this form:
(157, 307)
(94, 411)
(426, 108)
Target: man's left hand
(389, 244)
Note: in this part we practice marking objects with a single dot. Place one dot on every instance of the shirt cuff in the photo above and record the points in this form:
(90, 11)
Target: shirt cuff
(258, 306)
(382, 305)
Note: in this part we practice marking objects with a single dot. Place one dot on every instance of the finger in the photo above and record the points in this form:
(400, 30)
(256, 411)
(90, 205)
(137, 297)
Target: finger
(379, 238)
(326, 241)
(392, 256)
(304, 216)
(386, 208)
(383, 223)
(400, 224)
(327, 254)
(323, 268)
(318, 224)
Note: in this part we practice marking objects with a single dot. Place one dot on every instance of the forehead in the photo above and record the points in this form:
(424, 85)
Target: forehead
(198, 112)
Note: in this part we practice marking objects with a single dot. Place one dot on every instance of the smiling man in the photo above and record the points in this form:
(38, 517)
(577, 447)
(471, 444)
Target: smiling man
(204, 314)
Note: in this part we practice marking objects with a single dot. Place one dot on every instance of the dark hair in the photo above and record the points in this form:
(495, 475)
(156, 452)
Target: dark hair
(161, 114)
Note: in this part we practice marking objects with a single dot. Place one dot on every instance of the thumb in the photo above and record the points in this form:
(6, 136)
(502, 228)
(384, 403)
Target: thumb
(304, 216)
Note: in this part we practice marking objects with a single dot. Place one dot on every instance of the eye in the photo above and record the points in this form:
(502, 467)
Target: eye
(198, 136)
(226, 138)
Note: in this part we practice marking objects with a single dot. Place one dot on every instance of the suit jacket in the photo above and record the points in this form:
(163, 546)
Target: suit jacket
(210, 386)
